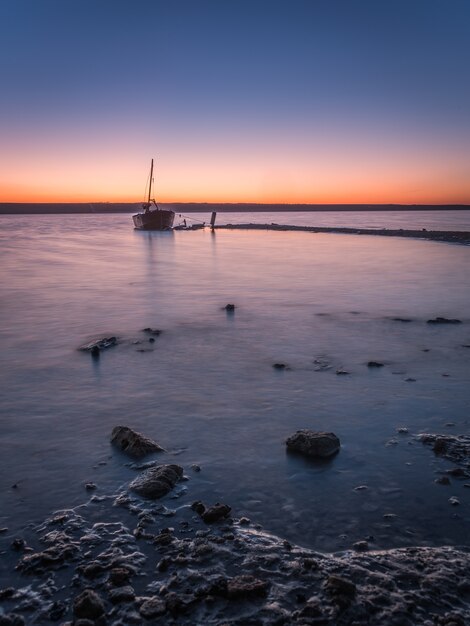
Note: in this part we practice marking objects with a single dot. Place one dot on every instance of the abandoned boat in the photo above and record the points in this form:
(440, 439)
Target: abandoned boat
(152, 216)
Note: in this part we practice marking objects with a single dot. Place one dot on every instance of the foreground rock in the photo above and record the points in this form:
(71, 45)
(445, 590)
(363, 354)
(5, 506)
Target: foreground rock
(249, 578)
(313, 443)
(157, 481)
(133, 443)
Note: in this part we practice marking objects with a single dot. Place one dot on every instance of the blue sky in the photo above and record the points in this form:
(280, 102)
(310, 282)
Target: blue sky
(234, 96)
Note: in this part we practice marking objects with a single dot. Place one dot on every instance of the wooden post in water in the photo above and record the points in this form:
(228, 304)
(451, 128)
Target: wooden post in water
(213, 219)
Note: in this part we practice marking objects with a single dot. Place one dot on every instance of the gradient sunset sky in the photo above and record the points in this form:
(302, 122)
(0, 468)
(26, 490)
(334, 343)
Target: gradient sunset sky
(321, 101)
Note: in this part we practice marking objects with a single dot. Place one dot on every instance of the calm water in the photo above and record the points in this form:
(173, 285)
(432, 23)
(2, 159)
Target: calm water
(206, 389)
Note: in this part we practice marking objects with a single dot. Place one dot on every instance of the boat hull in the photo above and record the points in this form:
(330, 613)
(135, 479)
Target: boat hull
(160, 219)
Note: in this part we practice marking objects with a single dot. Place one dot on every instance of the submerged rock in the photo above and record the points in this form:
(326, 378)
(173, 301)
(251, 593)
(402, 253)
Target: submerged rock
(133, 443)
(279, 366)
(156, 482)
(99, 344)
(313, 443)
(155, 332)
(443, 320)
(374, 364)
(229, 307)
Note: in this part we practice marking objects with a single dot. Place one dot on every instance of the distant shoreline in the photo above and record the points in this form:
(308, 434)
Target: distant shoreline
(24, 208)
(447, 236)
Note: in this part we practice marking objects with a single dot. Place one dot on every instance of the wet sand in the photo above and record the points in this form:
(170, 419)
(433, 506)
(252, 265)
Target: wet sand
(461, 237)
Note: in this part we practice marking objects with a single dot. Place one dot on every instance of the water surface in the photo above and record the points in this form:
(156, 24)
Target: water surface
(206, 389)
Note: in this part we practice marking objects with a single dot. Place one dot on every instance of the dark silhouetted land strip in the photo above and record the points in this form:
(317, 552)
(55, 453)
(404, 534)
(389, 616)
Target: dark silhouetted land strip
(205, 207)
(450, 236)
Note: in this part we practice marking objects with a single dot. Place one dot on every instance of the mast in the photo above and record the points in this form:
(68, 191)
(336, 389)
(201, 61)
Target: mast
(150, 183)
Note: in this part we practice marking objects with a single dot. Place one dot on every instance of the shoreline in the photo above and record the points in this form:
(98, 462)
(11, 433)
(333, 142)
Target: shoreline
(447, 236)
(135, 559)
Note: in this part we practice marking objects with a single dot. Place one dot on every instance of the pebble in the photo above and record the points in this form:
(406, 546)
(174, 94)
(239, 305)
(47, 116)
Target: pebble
(442, 480)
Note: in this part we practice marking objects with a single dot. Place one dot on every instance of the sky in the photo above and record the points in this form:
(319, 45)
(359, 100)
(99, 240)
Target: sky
(296, 101)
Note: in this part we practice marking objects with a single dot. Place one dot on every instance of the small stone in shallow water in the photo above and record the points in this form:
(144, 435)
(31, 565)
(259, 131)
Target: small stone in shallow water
(341, 372)
(152, 331)
(88, 605)
(157, 481)
(442, 480)
(410, 380)
(90, 486)
(216, 513)
(313, 443)
(245, 587)
(121, 594)
(195, 467)
(133, 443)
(443, 320)
(361, 546)
(374, 364)
(454, 501)
(229, 307)
(361, 488)
(152, 608)
(279, 366)
(119, 576)
(402, 430)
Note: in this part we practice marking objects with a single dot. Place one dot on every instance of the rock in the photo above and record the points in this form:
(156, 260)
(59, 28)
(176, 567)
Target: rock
(336, 585)
(152, 331)
(18, 544)
(151, 339)
(443, 480)
(443, 320)
(402, 319)
(341, 372)
(229, 307)
(246, 587)
(216, 513)
(90, 486)
(454, 501)
(157, 481)
(361, 546)
(195, 467)
(121, 594)
(152, 608)
(99, 344)
(88, 605)
(410, 380)
(198, 507)
(279, 366)
(11, 619)
(3, 530)
(374, 364)
(313, 443)
(119, 576)
(403, 430)
(133, 443)
(244, 521)
(95, 352)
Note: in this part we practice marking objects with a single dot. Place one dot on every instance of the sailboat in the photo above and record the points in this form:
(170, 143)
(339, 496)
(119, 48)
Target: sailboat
(153, 218)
